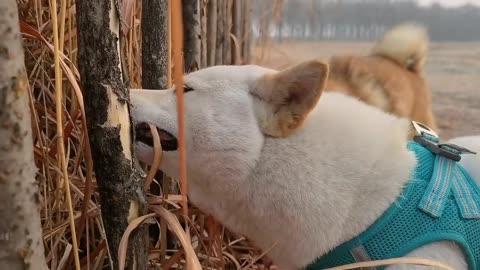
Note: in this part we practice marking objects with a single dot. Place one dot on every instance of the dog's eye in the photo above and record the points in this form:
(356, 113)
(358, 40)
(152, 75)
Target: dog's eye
(187, 88)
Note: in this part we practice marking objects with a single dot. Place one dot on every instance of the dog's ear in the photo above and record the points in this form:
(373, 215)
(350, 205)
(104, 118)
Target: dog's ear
(284, 99)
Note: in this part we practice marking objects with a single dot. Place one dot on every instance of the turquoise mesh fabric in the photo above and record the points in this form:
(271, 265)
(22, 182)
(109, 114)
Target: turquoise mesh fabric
(404, 227)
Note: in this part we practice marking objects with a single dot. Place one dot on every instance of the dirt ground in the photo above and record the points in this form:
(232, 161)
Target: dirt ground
(452, 71)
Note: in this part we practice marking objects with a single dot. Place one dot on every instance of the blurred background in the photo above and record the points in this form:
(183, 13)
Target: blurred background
(290, 31)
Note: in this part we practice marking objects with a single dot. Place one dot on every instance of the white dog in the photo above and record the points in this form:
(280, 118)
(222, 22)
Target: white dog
(273, 161)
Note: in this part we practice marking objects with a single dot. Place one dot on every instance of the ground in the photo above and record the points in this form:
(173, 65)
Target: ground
(452, 71)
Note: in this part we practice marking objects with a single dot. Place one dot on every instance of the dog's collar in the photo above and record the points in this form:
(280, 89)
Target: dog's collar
(438, 187)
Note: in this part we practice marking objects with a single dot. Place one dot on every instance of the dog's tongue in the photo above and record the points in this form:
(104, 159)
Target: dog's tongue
(164, 135)
(144, 129)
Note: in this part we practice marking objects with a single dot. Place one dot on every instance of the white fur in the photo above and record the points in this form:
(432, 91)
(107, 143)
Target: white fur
(470, 162)
(305, 193)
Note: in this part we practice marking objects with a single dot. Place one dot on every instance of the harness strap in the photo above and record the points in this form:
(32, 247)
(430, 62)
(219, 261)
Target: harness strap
(361, 255)
(447, 180)
(468, 202)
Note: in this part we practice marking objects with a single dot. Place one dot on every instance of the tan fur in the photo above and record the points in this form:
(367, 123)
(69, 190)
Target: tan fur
(406, 44)
(288, 97)
(391, 78)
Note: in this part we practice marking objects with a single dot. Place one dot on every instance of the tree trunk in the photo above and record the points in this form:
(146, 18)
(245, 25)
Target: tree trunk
(154, 44)
(109, 126)
(220, 32)
(227, 22)
(191, 37)
(247, 31)
(203, 21)
(237, 31)
(211, 31)
(21, 242)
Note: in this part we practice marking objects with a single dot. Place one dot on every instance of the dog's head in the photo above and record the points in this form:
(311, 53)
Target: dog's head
(228, 112)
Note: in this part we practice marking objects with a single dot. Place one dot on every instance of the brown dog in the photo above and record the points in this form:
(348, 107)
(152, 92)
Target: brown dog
(391, 77)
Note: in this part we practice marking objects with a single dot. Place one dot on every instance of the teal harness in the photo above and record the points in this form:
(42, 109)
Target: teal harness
(441, 202)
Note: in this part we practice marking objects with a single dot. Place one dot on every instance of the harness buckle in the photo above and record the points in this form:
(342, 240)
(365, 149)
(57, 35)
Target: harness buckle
(422, 130)
(428, 138)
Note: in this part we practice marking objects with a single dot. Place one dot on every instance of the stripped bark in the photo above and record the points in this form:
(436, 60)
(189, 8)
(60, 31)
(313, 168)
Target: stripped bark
(191, 30)
(211, 31)
(227, 22)
(109, 127)
(154, 44)
(21, 242)
(237, 31)
(203, 30)
(247, 31)
(220, 34)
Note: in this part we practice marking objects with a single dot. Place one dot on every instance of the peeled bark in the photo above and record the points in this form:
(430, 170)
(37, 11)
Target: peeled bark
(191, 30)
(21, 244)
(154, 44)
(211, 31)
(109, 126)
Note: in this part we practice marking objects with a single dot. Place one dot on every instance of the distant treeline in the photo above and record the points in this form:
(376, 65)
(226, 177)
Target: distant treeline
(360, 19)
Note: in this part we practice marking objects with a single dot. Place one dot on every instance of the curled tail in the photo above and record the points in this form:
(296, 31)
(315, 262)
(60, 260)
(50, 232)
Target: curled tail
(406, 44)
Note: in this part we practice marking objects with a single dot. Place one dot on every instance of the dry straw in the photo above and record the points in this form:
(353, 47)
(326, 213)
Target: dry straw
(59, 113)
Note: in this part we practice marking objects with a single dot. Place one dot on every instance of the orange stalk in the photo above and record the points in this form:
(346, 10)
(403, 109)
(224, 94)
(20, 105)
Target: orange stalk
(177, 40)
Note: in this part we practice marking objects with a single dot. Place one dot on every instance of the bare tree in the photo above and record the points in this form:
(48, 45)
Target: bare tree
(237, 31)
(220, 32)
(154, 44)
(247, 31)
(191, 30)
(203, 22)
(21, 245)
(211, 31)
(369, 19)
(227, 22)
(109, 126)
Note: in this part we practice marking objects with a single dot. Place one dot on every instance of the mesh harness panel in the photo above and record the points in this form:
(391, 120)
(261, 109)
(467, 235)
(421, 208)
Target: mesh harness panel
(441, 202)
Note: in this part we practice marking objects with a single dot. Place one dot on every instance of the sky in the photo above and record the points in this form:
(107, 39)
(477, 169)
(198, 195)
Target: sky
(450, 3)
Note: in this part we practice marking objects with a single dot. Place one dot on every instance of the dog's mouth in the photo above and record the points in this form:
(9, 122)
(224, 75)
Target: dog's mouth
(167, 140)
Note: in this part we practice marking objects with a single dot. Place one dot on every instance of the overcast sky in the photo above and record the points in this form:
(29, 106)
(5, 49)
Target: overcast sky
(450, 3)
